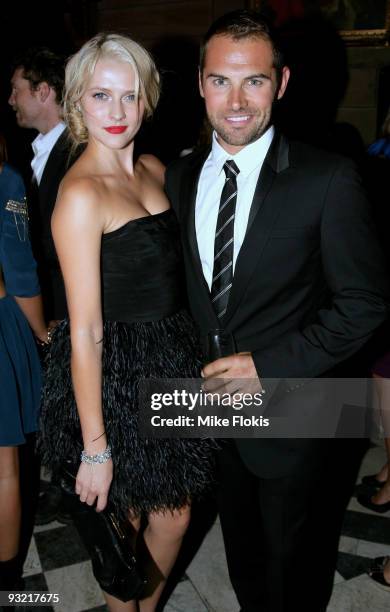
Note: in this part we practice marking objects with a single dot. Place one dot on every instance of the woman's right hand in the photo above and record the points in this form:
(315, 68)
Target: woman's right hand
(93, 482)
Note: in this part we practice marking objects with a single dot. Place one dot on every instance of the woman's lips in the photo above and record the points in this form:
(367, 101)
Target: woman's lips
(116, 129)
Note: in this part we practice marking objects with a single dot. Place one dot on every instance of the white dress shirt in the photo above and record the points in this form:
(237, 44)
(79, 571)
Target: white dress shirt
(42, 146)
(211, 181)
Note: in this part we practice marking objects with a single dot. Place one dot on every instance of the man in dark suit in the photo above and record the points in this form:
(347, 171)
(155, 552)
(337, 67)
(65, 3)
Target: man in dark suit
(37, 83)
(280, 254)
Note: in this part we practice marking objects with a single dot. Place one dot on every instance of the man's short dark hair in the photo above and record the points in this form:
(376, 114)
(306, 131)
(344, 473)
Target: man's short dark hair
(40, 64)
(242, 24)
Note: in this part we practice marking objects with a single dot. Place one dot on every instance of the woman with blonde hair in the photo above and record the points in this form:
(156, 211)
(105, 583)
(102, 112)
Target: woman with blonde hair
(118, 246)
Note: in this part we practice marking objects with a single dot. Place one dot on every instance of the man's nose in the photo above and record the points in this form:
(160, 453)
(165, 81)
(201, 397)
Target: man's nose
(237, 98)
(11, 99)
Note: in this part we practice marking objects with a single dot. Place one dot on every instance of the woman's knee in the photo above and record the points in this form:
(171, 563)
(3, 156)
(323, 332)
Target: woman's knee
(171, 524)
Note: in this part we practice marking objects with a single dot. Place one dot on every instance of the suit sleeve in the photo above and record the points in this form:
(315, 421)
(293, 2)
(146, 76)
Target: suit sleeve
(170, 188)
(16, 257)
(356, 277)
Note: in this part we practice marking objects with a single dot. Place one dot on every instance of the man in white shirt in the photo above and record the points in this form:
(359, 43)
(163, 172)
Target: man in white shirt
(37, 83)
(36, 95)
(42, 147)
(273, 235)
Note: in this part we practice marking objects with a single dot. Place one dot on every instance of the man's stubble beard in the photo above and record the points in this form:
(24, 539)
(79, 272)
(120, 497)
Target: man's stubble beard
(241, 138)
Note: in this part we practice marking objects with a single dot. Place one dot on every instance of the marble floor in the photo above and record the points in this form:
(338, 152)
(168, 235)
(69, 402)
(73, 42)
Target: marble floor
(57, 562)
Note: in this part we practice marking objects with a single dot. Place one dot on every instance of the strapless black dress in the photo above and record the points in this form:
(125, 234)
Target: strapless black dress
(147, 334)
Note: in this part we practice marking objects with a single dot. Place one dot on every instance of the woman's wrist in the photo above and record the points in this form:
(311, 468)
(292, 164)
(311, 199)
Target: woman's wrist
(95, 442)
(44, 336)
(96, 458)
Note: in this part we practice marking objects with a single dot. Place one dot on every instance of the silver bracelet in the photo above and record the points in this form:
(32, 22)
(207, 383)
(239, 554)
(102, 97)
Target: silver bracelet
(98, 458)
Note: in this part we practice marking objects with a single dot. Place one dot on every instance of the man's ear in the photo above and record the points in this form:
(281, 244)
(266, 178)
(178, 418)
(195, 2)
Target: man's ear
(283, 82)
(43, 91)
(200, 84)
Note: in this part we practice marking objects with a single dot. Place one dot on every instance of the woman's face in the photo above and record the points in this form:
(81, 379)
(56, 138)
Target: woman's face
(112, 110)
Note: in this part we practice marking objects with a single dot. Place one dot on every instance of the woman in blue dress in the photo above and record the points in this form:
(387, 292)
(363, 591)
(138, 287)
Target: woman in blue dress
(20, 374)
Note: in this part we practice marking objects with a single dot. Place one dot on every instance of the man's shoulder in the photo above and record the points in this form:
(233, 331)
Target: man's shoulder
(187, 162)
(63, 144)
(302, 153)
(62, 147)
(63, 153)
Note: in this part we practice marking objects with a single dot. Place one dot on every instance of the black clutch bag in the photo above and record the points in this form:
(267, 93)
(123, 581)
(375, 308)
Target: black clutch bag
(108, 543)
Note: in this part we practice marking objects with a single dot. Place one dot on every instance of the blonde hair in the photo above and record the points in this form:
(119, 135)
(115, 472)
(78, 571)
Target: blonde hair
(81, 66)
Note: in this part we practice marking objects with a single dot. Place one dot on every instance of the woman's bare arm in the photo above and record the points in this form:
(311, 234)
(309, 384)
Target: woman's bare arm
(77, 224)
(33, 311)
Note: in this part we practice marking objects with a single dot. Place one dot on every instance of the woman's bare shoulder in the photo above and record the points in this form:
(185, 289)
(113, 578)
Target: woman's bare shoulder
(79, 196)
(153, 166)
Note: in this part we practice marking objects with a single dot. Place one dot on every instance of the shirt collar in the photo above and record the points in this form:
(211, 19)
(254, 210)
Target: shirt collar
(249, 158)
(45, 142)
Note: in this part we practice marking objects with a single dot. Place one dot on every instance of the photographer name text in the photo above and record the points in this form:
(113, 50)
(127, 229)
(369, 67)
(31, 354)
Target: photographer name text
(234, 420)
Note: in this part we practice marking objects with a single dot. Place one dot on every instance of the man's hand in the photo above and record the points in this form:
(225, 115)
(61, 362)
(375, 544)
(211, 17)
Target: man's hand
(233, 374)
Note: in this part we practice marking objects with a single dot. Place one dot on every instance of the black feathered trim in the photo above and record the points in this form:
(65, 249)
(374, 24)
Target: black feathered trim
(149, 474)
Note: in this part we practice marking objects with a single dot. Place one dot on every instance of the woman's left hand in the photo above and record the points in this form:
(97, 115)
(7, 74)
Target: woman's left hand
(93, 483)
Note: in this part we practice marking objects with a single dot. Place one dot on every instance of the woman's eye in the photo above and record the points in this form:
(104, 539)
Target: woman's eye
(130, 98)
(100, 95)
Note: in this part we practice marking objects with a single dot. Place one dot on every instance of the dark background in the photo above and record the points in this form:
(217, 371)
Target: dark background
(337, 96)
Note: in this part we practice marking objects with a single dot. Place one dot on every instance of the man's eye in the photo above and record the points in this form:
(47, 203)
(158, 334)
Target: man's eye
(100, 95)
(219, 82)
(255, 82)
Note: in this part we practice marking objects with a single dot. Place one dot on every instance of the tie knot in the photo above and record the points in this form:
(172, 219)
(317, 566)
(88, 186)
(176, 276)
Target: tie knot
(231, 169)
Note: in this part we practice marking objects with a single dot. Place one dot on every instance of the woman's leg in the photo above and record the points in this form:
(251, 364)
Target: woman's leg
(10, 513)
(380, 571)
(386, 572)
(162, 537)
(114, 604)
(10, 508)
(382, 386)
(382, 496)
(383, 473)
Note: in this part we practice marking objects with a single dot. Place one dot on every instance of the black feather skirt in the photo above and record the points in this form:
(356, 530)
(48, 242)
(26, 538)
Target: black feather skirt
(149, 474)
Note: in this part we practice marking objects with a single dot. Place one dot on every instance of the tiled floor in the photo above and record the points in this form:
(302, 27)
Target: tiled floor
(57, 562)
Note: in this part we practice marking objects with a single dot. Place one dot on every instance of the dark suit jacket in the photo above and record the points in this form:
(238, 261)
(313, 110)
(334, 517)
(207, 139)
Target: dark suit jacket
(309, 286)
(42, 200)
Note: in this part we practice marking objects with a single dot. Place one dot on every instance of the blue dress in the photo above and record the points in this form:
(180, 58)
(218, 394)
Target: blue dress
(20, 372)
(380, 148)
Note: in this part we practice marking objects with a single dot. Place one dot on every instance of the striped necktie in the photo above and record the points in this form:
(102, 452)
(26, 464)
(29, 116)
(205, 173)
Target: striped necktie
(223, 245)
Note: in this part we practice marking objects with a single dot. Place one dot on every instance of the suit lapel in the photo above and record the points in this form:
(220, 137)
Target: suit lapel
(50, 171)
(275, 161)
(264, 211)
